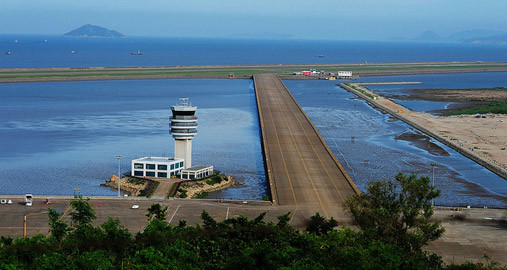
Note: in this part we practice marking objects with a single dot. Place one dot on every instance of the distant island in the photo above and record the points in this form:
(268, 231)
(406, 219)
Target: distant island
(476, 36)
(89, 30)
(498, 39)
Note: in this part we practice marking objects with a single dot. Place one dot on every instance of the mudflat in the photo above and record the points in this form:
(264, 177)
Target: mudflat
(482, 139)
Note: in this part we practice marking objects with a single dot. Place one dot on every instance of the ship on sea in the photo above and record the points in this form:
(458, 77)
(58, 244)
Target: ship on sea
(136, 53)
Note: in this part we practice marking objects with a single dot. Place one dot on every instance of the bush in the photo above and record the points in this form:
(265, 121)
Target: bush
(201, 195)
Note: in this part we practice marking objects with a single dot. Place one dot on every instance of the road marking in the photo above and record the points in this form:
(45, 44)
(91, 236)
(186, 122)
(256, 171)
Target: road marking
(292, 217)
(227, 215)
(280, 147)
(298, 151)
(174, 213)
(313, 147)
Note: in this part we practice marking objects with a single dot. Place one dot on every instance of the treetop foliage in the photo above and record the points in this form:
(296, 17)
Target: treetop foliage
(393, 218)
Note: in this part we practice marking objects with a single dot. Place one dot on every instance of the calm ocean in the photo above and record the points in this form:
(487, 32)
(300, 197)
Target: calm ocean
(56, 136)
(34, 51)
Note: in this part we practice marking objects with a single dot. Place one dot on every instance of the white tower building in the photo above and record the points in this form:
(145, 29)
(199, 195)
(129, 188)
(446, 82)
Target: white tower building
(183, 129)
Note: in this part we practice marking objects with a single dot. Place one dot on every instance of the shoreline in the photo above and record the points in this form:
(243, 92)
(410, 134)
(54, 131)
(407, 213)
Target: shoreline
(422, 122)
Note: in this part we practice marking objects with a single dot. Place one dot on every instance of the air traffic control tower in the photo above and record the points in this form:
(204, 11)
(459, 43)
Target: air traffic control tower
(183, 129)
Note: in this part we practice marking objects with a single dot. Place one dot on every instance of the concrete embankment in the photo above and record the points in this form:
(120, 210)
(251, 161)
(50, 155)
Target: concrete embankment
(421, 123)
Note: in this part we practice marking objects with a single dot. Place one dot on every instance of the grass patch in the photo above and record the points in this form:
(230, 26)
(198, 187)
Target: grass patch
(183, 193)
(239, 71)
(136, 181)
(498, 88)
(152, 189)
(498, 107)
(211, 180)
(201, 195)
(361, 90)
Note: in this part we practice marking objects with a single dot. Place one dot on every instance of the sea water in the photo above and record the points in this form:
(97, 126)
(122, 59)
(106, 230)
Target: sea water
(56, 51)
(434, 81)
(57, 136)
(363, 140)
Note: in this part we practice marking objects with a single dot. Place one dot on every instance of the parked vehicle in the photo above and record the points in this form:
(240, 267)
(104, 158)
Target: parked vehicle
(28, 199)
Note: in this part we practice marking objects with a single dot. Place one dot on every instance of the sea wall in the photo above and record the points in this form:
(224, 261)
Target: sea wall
(433, 133)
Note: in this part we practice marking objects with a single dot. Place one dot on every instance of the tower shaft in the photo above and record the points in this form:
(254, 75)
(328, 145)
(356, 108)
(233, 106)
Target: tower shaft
(183, 149)
(183, 129)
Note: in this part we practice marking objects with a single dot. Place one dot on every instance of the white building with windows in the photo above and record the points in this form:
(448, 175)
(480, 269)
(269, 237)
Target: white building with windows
(344, 74)
(183, 129)
(161, 167)
(196, 172)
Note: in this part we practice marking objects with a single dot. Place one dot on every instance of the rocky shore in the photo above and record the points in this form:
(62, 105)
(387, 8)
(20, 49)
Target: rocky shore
(200, 188)
(129, 185)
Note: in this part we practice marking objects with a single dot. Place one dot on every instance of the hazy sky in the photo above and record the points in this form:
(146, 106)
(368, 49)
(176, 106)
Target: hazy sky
(322, 19)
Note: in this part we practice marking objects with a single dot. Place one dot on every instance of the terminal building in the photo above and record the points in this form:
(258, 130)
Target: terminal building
(162, 167)
(183, 129)
(196, 172)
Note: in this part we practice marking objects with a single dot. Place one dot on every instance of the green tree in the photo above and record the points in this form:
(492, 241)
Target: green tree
(82, 213)
(207, 220)
(156, 211)
(398, 211)
(117, 236)
(320, 225)
(57, 227)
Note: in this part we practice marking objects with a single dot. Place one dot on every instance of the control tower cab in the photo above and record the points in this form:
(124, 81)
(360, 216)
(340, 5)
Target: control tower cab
(183, 129)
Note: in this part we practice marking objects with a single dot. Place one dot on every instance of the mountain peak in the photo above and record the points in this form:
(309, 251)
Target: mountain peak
(89, 30)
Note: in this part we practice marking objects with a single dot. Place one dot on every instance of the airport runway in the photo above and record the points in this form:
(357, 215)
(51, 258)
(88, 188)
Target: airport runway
(301, 169)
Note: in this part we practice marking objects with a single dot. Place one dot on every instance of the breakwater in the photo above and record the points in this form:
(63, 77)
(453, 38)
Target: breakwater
(419, 121)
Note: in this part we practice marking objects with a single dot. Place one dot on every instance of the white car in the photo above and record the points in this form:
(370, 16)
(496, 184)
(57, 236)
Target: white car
(28, 199)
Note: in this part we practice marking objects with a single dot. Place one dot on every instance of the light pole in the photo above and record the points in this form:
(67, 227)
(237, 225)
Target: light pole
(119, 175)
(433, 165)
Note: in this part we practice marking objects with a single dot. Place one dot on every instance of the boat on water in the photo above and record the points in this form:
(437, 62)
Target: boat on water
(8, 53)
(72, 51)
(136, 53)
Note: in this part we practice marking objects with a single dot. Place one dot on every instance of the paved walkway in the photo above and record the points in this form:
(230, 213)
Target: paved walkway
(163, 188)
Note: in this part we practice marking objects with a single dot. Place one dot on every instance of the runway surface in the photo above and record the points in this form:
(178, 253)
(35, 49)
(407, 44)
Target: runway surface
(301, 169)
